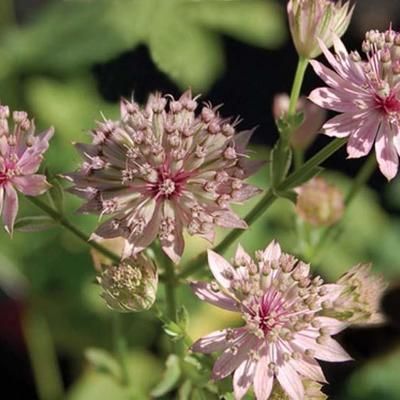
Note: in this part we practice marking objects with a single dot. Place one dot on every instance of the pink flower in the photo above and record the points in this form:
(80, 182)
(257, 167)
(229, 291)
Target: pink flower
(162, 169)
(366, 93)
(21, 153)
(284, 332)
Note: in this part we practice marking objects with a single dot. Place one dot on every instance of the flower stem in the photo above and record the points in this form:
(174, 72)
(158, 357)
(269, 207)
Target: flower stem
(297, 83)
(72, 228)
(120, 348)
(362, 177)
(42, 355)
(266, 201)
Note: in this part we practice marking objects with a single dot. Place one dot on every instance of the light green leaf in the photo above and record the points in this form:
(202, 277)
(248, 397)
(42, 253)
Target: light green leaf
(103, 361)
(171, 377)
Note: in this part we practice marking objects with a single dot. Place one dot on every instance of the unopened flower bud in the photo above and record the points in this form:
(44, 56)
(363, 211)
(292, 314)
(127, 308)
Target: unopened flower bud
(310, 20)
(313, 118)
(319, 203)
(130, 286)
(359, 302)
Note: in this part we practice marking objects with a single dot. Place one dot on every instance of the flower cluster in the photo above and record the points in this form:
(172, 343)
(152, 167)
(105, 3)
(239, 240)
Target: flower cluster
(313, 19)
(366, 93)
(162, 169)
(130, 286)
(284, 331)
(21, 153)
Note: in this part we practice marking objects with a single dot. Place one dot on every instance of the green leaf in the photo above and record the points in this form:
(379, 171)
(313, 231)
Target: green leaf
(257, 22)
(34, 224)
(181, 35)
(378, 379)
(189, 55)
(171, 377)
(103, 361)
(281, 159)
(183, 317)
(185, 390)
(56, 193)
(174, 330)
(288, 194)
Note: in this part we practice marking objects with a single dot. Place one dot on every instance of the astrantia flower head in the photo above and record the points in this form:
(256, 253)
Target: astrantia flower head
(21, 153)
(284, 332)
(319, 203)
(359, 302)
(129, 286)
(162, 169)
(312, 19)
(366, 92)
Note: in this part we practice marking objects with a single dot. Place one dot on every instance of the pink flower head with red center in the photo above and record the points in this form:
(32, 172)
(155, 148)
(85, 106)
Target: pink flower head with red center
(162, 169)
(367, 94)
(21, 153)
(284, 331)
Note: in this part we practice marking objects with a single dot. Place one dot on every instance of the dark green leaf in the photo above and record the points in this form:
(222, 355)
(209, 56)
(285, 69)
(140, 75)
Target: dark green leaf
(34, 224)
(281, 159)
(183, 317)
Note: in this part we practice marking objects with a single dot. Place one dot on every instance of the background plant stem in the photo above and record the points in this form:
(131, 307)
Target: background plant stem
(72, 228)
(42, 356)
(120, 347)
(266, 201)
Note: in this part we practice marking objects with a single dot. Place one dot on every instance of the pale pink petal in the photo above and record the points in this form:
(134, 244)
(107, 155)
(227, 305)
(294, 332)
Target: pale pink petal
(205, 292)
(245, 192)
(1, 198)
(228, 361)
(272, 252)
(361, 140)
(243, 378)
(332, 99)
(331, 350)
(217, 341)
(344, 125)
(223, 271)
(332, 292)
(386, 154)
(290, 381)
(228, 219)
(309, 368)
(241, 254)
(31, 185)
(263, 379)
(10, 207)
(334, 325)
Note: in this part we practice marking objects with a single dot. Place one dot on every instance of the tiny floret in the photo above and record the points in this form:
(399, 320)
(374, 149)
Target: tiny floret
(313, 19)
(284, 331)
(163, 169)
(21, 153)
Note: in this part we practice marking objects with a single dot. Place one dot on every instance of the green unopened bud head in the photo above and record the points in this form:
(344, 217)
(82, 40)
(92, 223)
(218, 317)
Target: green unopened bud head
(130, 286)
(310, 20)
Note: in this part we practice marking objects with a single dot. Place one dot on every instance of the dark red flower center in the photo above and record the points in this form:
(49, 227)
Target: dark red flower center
(3, 178)
(389, 104)
(270, 311)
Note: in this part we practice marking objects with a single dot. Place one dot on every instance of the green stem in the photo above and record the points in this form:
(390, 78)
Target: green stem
(362, 177)
(266, 201)
(298, 158)
(42, 356)
(296, 87)
(120, 348)
(72, 228)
